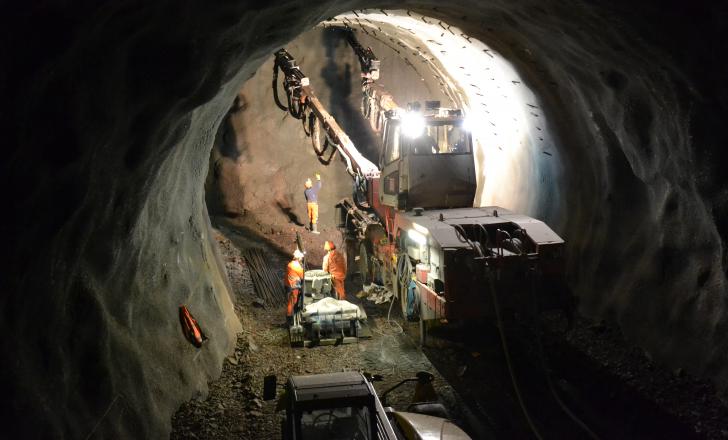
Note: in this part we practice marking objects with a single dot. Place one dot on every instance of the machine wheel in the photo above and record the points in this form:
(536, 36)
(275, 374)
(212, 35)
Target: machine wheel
(365, 266)
(404, 273)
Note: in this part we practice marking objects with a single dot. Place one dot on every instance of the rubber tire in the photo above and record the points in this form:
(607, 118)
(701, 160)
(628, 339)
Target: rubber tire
(364, 263)
(402, 287)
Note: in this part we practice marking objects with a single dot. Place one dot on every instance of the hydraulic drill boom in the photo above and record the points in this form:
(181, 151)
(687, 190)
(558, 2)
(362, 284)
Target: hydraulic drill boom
(300, 98)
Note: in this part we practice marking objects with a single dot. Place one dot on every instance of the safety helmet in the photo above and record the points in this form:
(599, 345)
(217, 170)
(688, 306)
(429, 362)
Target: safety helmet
(329, 246)
(297, 254)
(308, 183)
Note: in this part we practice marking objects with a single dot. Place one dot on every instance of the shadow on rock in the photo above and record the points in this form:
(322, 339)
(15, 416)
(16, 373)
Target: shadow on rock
(287, 210)
(341, 107)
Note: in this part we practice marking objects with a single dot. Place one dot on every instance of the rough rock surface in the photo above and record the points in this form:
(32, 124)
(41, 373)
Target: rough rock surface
(110, 110)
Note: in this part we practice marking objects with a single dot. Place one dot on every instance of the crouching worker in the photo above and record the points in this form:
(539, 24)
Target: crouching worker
(335, 264)
(293, 282)
(311, 193)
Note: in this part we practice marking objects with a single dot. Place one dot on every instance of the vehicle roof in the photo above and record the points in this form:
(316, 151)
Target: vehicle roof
(329, 386)
(429, 427)
(444, 234)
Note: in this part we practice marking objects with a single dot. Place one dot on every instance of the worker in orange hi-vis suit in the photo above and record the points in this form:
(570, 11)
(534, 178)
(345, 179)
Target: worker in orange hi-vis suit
(293, 282)
(311, 193)
(335, 264)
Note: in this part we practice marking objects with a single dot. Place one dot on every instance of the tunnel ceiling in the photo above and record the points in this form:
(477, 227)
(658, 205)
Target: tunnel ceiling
(111, 110)
(518, 164)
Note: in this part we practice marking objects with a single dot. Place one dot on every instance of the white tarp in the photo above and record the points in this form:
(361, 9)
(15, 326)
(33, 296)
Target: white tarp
(329, 306)
(376, 293)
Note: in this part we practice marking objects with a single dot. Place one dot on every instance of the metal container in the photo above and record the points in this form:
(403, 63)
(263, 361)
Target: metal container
(318, 283)
(422, 270)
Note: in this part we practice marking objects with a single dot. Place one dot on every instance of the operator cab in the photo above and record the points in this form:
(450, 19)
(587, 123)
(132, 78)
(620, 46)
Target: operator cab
(331, 406)
(427, 159)
(345, 406)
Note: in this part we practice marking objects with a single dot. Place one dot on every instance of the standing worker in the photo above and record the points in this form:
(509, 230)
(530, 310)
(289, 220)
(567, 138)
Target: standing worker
(293, 282)
(311, 193)
(335, 264)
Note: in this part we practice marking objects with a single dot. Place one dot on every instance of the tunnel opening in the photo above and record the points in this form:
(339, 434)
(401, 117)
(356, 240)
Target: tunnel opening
(124, 234)
(421, 61)
(521, 164)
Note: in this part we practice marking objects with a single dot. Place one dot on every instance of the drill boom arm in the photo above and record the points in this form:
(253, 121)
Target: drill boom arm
(300, 92)
(368, 61)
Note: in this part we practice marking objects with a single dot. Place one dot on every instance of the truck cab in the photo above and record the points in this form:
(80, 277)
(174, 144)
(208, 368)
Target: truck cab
(333, 406)
(426, 160)
(345, 406)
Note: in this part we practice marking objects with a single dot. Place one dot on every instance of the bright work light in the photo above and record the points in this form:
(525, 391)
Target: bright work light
(413, 124)
(417, 237)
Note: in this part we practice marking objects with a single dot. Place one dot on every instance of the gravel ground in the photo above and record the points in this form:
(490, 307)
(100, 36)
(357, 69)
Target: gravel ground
(692, 401)
(609, 383)
(234, 407)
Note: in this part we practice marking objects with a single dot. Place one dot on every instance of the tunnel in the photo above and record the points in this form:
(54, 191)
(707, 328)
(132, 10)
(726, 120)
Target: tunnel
(139, 133)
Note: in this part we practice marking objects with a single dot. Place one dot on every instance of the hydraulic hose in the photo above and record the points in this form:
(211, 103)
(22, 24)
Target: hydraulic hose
(314, 127)
(544, 366)
(307, 123)
(275, 88)
(296, 108)
(460, 233)
(331, 156)
(507, 354)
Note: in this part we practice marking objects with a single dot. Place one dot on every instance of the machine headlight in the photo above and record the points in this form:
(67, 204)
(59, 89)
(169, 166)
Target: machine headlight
(413, 124)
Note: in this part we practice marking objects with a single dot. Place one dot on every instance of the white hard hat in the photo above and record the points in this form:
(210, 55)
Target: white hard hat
(297, 254)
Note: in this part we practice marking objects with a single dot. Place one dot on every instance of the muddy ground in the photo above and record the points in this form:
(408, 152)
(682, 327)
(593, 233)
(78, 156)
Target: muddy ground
(614, 389)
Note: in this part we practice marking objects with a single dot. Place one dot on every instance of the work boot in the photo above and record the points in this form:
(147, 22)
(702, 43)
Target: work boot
(313, 228)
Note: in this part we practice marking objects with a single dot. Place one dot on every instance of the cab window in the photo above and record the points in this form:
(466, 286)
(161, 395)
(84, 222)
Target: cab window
(343, 423)
(391, 143)
(442, 139)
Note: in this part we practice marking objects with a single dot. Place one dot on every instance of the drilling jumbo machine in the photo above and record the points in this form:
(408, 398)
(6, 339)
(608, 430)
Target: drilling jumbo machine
(413, 216)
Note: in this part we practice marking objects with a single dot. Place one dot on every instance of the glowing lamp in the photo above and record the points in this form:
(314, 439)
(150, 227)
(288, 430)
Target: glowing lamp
(413, 124)
(417, 237)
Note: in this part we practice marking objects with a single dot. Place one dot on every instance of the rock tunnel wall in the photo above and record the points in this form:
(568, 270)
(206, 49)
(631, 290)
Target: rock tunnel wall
(260, 172)
(110, 111)
(643, 210)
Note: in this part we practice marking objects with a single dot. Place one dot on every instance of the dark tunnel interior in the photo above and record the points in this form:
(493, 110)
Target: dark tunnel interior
(143, 144)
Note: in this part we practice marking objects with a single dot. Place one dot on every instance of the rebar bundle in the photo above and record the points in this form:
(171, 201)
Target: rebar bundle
(268, 285)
